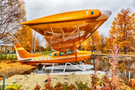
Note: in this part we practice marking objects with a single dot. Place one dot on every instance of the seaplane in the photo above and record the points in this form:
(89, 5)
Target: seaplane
(65, 32)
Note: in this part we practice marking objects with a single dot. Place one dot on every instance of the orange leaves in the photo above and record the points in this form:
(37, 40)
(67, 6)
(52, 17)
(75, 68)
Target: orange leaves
(93, 42)
(122, 30)
(13, 68)
(25, 37)
(37, 45)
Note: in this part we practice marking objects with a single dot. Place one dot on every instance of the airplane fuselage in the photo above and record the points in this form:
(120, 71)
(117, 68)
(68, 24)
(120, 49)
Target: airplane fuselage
(57, 57)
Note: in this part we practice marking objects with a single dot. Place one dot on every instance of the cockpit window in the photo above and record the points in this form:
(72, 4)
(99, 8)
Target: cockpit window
(56, 54)
(50, 54)
(61, 53)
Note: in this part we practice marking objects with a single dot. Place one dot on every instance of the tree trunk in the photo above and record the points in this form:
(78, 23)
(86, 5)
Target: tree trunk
(125, 50)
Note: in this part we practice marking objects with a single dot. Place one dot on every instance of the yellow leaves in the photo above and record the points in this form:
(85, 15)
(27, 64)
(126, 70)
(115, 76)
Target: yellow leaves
(13, 68)
(25, 37)
(125, 87)
(133, 48)
(121, 30)
(93, 41)
(37, 45)
(122, 65)
(13, 87)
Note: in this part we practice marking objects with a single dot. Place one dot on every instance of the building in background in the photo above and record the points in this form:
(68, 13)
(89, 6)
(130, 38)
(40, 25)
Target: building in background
(6, 48)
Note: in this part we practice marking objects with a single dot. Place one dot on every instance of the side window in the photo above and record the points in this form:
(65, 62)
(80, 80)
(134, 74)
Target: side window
(61, 53)
(56, 54)
(69, 52)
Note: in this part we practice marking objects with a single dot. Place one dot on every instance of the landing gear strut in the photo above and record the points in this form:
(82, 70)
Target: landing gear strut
(81, 66)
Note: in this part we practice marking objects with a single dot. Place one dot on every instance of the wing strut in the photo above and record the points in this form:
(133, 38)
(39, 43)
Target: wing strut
(78, 29)
(61, 41)
(79, 42)
(75, 51)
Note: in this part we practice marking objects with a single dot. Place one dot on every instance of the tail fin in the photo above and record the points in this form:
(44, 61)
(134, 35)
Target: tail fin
(22, 53)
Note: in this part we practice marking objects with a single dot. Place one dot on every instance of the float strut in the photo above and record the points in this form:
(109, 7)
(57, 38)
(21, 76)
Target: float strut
(52, 68)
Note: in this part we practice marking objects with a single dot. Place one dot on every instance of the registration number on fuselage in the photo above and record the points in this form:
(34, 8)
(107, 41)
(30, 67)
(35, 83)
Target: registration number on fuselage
(41, 58)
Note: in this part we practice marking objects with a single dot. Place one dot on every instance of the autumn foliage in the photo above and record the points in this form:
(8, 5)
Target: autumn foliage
(122, 30)
(24, 37)
(93, 42)
(122, 33)
(10, 69)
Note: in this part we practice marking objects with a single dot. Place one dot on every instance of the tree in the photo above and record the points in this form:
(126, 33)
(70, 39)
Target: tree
(41, 48)
(12, 12)
(103, 41)
(47, 47)
(108, 44)
(133, 20)
(133, 25)
(93, 42)
(37, 45)
(96, 41)
(121, 30)
(24, 37)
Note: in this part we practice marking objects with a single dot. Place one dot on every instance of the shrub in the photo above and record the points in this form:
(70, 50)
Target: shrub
(37, 87)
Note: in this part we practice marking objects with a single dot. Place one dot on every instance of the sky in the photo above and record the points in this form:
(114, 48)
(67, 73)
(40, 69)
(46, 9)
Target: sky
(40, 8)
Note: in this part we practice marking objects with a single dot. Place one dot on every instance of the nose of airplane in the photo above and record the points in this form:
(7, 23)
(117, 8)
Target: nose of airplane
(106, 12)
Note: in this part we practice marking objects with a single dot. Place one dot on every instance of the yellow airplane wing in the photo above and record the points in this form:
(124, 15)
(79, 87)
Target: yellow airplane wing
(70, 28)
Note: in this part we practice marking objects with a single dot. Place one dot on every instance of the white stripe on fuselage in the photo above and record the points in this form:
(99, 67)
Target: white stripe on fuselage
(48, 58)
(39, 58)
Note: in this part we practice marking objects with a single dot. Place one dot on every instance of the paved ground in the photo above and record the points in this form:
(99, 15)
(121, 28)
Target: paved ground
(29, 82)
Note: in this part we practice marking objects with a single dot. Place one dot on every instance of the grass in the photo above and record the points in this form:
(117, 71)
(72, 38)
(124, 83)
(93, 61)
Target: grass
(8, 56)
(14, 57)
